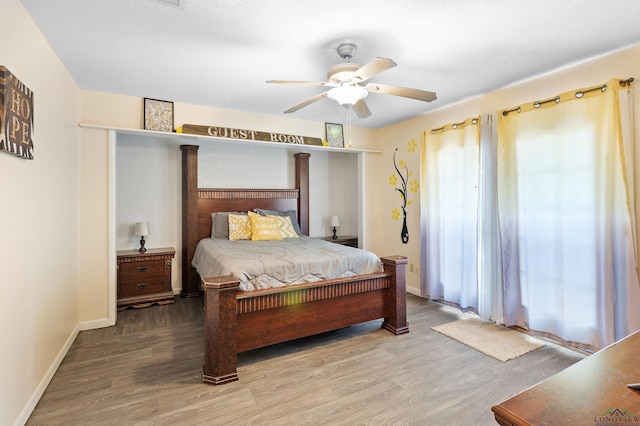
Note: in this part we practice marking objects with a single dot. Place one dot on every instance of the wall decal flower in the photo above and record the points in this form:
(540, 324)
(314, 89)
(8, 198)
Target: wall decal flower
(403, 173)
(414, 186)
(412, 145)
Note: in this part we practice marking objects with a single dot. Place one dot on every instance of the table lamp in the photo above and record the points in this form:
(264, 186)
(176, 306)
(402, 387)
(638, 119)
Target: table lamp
(334, 222)
(142, 230)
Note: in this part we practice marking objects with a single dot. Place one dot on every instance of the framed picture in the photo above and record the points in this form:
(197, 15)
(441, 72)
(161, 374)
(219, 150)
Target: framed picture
(16, 116)
(158, 115)
(334, 135)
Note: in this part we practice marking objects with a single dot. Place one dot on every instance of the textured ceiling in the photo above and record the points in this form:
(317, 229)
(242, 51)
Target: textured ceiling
(220, 52)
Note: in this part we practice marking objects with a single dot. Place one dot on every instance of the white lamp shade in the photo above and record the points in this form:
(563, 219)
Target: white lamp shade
(141, 229)
(334, 221)
(347, 94)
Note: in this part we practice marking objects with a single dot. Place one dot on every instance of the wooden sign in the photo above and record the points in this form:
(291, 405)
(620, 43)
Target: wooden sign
(16, 116)
(250, 135)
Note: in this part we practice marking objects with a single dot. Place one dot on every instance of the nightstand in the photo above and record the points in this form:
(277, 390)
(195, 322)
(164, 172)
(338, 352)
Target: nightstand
(345, 240)
(144, 278)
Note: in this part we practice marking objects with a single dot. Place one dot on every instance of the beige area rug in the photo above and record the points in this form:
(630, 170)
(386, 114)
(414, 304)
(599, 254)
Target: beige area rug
(498, 342)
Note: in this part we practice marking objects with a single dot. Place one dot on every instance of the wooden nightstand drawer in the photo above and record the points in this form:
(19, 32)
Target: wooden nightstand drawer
(345, 240)
(141, 287)
(144, 270)
(144, 278)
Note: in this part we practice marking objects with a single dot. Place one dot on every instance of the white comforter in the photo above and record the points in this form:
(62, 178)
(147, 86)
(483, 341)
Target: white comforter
(266, 264)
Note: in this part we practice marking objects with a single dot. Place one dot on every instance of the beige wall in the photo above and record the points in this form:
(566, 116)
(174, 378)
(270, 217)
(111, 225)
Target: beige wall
(385, 237)
(39, 222)
(56, 250)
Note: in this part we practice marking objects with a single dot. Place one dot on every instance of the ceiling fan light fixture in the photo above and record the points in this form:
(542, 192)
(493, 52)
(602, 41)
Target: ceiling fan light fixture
(347, 94)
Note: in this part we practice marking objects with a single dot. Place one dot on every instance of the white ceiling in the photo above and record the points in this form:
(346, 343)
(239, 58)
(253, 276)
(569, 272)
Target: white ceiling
(220, 52)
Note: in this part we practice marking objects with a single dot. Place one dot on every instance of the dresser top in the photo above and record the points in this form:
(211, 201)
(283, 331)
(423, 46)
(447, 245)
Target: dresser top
(164, 251)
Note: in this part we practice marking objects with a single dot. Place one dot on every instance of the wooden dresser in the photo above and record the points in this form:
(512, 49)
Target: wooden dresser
(144, 278)
(593, 391)
(345, 240)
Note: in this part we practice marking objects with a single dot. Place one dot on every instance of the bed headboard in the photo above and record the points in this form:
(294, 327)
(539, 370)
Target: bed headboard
(211, 200)
(199, 203)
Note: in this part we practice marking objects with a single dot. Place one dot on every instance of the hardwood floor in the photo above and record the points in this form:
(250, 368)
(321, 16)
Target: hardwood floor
(147, 370)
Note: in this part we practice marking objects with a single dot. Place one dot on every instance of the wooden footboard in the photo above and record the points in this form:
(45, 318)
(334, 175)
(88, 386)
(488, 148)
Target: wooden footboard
(240, 321)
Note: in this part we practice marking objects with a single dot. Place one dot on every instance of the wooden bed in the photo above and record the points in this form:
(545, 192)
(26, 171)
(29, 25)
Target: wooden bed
(238, 321)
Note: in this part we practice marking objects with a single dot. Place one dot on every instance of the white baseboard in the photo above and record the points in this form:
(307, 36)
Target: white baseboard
(415, 291)
(92, 325)
(42, 386)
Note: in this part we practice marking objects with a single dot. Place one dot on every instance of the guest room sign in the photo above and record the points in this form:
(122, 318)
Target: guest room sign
(250, 135)
(16, 116)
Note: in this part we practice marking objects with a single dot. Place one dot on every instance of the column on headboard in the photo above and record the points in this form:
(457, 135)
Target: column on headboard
(190, 279)
(302, 185)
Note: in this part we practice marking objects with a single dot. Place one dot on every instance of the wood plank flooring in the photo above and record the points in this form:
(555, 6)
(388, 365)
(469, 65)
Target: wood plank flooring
(146, 370)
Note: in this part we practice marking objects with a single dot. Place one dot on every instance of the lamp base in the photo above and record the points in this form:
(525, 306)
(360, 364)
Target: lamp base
(335, 237)
(142, 249)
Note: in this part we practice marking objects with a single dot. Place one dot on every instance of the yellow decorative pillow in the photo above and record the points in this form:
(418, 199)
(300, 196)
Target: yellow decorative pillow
(264, 228)
(239, 227)
(286, 227)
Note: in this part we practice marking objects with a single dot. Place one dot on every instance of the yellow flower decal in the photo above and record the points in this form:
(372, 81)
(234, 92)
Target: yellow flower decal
(405, 186)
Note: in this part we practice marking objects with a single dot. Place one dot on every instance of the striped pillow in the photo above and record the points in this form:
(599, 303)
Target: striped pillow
(286, 227)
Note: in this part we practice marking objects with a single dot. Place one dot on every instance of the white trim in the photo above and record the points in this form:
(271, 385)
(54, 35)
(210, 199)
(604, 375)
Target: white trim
(42, 386)
(94, 324)
(414, 291)
(111, 233)
(362, 166)
(182, 138)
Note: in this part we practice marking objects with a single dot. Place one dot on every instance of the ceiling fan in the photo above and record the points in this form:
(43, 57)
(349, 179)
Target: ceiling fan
(345, 79)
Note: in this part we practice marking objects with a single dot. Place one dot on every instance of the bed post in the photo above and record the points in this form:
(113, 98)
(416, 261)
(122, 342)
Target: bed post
(190, 279)
(396, 322)
(302, 185)
(220, 321)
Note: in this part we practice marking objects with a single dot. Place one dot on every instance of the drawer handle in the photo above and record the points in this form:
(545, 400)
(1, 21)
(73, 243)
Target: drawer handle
(142, 268)
(141, 286)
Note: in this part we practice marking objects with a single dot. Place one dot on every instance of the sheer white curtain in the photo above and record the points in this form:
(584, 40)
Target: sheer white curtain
(567, 220)
(449, 214)
(490, 306)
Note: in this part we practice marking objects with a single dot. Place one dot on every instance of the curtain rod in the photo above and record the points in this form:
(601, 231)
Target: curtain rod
(578, 94)
(454, 125)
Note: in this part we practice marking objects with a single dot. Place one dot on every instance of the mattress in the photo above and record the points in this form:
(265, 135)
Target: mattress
(269, 264)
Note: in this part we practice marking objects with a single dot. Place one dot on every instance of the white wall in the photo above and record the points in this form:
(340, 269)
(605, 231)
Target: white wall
(39, 223)
(333, 176)
(148, 186)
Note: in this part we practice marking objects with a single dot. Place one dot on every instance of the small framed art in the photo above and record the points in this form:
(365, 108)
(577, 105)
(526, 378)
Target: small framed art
(334, 135)
(158, 115)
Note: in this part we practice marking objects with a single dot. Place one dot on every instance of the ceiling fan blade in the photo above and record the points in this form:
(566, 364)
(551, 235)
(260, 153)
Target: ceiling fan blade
(305, 103)
(420, 95)
(374, 67)
(308, 83)
(361, 109)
